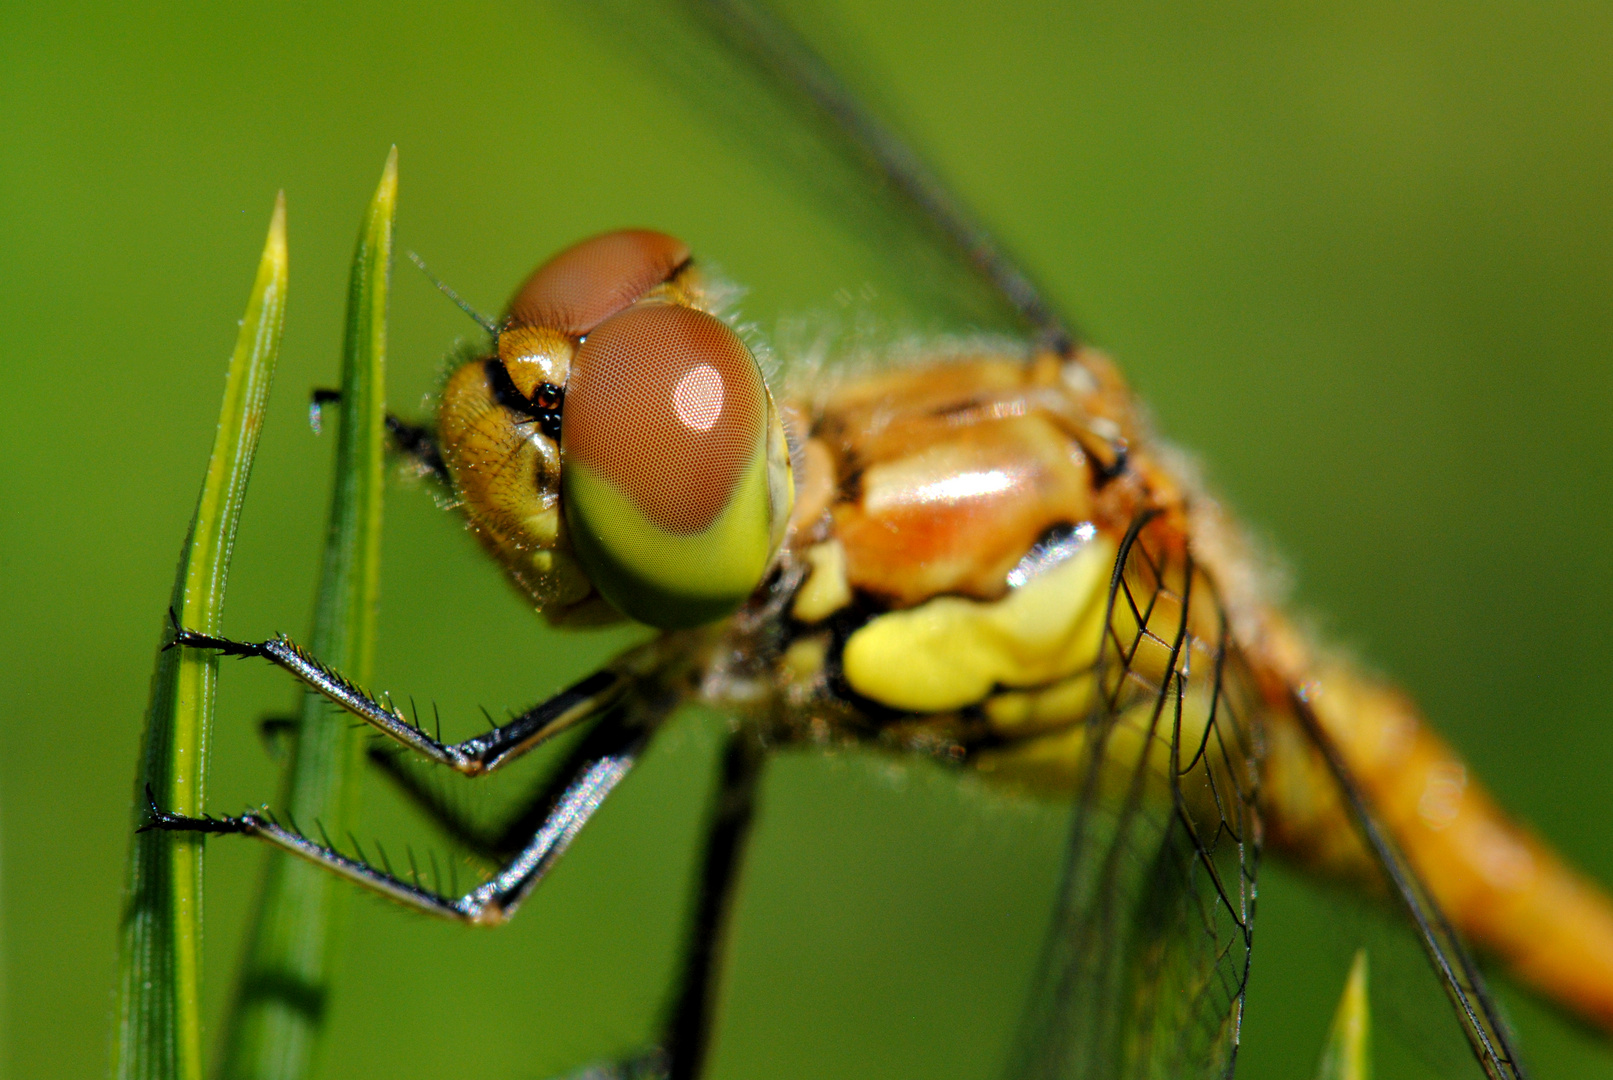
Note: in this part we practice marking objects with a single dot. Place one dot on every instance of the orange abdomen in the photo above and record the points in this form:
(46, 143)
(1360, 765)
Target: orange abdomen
(1498, 884)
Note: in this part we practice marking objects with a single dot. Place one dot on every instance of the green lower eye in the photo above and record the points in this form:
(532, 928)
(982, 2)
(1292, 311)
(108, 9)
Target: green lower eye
(661, 578)
(675, 477)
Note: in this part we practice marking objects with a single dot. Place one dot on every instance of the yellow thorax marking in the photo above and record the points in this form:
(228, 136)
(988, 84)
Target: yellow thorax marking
(826, 590)
(951, 652)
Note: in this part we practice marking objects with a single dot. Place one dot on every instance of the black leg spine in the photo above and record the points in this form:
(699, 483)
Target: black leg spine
(591, 774)
(473, 757)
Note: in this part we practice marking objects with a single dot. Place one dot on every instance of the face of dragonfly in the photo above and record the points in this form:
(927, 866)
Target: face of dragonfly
(620, 452)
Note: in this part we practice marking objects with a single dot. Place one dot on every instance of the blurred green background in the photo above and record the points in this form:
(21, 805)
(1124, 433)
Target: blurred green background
(1359, 256)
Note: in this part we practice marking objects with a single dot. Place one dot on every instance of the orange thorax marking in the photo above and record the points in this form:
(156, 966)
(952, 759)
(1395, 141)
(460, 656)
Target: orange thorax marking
(948, 475)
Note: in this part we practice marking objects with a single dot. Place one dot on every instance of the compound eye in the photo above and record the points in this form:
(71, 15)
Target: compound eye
(665, 451)
(589, 282)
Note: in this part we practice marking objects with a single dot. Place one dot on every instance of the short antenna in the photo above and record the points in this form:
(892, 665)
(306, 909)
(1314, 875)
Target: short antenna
(481, 320)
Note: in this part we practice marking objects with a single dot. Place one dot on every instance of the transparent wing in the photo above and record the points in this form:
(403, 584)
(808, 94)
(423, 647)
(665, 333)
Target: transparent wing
(1487, 1036)
(761, 85)
(1147, 960)
(1144, 971)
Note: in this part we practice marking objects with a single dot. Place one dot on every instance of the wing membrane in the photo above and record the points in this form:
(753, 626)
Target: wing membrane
(789, 64)
(1144, 971)
(762, 84)
(1458, 975)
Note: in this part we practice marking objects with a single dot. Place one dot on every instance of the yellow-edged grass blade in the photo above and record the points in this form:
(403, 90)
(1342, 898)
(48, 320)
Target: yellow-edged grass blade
(158, 1029)
(1348, 1053)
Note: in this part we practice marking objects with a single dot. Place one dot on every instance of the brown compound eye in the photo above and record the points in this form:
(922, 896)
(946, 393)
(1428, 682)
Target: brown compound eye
(665, 450)
(666, 405)
(589, 282)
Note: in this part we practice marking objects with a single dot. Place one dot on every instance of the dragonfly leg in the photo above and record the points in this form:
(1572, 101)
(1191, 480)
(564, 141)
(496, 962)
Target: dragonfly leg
(417, 442)
(687, 1035)
(473, 757)
(595, 768)
(492, 842)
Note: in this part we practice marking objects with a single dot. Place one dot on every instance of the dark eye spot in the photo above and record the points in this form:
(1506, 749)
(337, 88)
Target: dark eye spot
(543, 407)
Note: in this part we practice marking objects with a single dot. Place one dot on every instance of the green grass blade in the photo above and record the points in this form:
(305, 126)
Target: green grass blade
(1348, 1053)
(284, 986)
(158, 1029)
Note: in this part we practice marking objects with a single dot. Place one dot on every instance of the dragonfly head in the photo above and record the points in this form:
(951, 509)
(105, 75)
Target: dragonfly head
(621, 445)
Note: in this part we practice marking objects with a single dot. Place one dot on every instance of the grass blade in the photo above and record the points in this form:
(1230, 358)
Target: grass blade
(158, 1029)
(1348, 1053)
(280, 1000)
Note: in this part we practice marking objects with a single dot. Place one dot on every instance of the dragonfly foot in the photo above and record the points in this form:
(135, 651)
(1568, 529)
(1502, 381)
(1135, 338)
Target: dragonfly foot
(160, 820)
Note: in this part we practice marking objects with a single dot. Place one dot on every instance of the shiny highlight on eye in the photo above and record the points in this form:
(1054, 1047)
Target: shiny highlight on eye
(698, 397)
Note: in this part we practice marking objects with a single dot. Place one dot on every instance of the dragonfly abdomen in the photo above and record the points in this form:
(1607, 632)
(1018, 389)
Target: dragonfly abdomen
(1497, 883)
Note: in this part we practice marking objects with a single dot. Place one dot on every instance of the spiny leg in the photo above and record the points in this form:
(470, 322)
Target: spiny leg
(591, 773)
(492, 842)
(473, 757)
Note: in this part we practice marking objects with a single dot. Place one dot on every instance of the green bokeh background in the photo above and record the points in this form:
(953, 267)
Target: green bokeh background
(1359, 256)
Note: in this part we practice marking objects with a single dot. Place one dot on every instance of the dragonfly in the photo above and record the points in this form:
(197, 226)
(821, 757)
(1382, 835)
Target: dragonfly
(976, 556)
